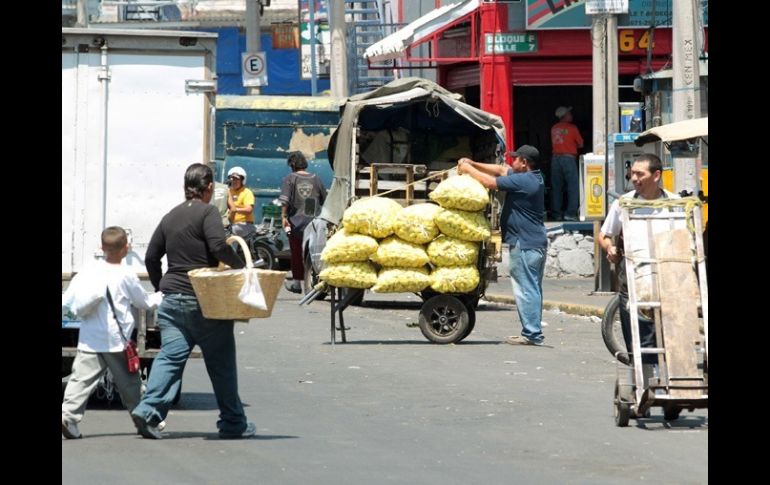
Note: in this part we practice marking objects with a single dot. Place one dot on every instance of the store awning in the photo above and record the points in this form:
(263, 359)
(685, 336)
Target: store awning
(681, 130)
(395, 45)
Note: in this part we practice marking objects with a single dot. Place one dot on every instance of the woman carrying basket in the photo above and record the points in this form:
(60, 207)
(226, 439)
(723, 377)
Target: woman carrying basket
(191, 236)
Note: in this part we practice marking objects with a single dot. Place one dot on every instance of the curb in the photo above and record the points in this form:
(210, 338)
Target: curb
(571, 308)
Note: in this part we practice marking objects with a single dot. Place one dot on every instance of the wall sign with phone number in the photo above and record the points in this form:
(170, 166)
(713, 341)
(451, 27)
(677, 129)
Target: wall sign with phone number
(631, 40)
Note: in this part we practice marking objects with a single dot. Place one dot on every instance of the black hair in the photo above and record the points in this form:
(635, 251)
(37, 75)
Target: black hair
(653, 162)
(296, 161)
(197, 178)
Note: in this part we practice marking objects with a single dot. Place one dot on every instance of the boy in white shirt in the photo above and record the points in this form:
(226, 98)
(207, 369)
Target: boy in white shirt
(100, 345)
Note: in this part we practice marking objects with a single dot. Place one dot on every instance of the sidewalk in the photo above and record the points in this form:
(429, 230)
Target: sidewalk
(574, 296)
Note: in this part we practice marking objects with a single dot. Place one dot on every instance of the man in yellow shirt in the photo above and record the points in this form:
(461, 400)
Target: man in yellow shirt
(240, 203)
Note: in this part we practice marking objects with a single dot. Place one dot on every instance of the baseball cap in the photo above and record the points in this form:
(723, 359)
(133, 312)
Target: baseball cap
(527, 151)
(563, 110)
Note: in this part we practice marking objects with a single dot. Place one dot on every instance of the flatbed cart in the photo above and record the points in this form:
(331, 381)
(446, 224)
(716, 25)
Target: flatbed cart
(444, 318)
(666, 275)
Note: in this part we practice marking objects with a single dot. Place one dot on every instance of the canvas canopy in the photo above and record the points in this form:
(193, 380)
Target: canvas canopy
(445, 110)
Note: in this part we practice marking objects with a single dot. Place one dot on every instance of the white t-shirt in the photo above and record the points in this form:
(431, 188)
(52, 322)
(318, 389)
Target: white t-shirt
(98, 328)
(613, 224)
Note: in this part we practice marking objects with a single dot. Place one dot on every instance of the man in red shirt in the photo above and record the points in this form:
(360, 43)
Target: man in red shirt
(565, 142)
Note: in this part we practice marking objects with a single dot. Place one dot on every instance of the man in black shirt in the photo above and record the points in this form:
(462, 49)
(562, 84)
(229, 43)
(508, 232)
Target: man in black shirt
(191, 236)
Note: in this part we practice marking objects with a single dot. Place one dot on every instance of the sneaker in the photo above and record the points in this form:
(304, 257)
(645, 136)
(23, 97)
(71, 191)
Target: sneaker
(145, 429)
(161, 426)
(70, 430)
(251, 430)
(522, 340)
(293, 285)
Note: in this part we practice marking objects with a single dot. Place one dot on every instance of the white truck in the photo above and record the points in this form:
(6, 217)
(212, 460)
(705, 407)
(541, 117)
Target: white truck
(137, 109)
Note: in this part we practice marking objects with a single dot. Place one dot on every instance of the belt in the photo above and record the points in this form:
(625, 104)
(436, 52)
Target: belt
(565, 155)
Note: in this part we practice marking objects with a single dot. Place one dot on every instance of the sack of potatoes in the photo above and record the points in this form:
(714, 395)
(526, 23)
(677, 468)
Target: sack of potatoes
(372, 216)
(394, 251)
(461, 192)
(460, 224)
(455, 279)
(349, 275)
(397, 280)
(450, 251)
(415, 223)
(346, 247)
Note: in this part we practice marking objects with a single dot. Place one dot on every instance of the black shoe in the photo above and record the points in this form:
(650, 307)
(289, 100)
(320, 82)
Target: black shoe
(294, 286)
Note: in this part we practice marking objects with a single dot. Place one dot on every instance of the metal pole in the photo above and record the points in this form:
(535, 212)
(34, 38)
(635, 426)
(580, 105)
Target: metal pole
(598, 42)
(253, 31)
(313, 74)
(339, 67)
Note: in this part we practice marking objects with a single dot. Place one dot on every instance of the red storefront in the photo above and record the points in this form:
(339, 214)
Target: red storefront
(525, 88)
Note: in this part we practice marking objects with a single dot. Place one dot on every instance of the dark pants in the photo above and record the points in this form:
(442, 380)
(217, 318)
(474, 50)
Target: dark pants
(295, 245)
(646, 330)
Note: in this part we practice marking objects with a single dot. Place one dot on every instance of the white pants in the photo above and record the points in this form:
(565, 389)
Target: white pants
(87, 369)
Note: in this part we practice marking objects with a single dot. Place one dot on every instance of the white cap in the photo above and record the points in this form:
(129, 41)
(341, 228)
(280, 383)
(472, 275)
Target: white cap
(237, 171)
(562, 110)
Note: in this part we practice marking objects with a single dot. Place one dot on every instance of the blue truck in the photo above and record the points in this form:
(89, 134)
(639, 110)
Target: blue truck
(258, 133)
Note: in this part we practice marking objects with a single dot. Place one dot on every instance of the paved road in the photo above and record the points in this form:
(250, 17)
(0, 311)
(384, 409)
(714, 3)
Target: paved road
(388, 407)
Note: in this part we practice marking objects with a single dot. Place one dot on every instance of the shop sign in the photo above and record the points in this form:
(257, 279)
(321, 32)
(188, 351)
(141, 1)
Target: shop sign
(510, 43)
(575, 14)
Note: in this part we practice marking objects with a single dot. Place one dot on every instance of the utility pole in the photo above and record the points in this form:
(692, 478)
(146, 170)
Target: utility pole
(253, 31)
(686, 89)
(339, 65)
(82, 12)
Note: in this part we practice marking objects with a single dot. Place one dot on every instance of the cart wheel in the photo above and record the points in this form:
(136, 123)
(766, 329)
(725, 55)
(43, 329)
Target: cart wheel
(471, 322)
(444, 319)
(612, 333)
(671, 412)
(622, 409)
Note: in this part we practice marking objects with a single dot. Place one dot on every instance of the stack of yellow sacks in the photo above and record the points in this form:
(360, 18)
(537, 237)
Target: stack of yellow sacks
(403, 241)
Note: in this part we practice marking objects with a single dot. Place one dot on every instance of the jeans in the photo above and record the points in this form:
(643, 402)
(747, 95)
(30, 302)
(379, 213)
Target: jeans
(646, 330)
(527, 267)
(182, 326)
(564, 172)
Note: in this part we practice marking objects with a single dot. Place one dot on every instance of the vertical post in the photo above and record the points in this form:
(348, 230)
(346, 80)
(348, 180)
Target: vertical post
(496, 83)
(686, 89)
(82, 12)
(313, 73)
(598, 41)
(253, 32)
(339, 67)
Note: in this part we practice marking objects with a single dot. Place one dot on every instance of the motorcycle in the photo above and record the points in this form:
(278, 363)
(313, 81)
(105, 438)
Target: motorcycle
(263, 243)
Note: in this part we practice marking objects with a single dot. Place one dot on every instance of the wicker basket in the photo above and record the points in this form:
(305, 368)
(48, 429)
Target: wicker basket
(217, 289)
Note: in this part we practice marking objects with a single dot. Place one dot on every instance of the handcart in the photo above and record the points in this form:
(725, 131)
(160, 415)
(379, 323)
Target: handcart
(666, 275)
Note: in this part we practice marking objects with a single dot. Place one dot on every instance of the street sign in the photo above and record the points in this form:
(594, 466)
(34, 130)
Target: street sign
(254, 69)
(510, 43)
(594, 7)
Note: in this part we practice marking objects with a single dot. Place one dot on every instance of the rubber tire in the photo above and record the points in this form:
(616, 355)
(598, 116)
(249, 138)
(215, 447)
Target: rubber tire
(454, 313)
(671, 412)
(622, 409)
(262, 250)
(311, 279)
(614, 339)
(471, 321)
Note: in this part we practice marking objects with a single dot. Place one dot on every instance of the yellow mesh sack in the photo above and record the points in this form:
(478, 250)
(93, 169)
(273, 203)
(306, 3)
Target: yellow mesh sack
(415, 223)
(394, 251)
(461, 192)
(372, 216)
(450, 251)
(468, 226)
(345, 247)
(397, 280)
(455, 279)
(349, 275)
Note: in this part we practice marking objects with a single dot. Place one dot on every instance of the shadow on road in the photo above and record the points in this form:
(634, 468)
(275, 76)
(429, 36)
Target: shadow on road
(411, 342)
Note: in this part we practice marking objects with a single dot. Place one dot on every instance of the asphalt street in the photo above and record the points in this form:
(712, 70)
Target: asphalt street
(390, 407)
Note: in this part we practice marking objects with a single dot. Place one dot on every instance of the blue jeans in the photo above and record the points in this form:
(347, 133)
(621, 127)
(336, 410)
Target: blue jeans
(182, 326)
(527, 267)
(564, 172)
